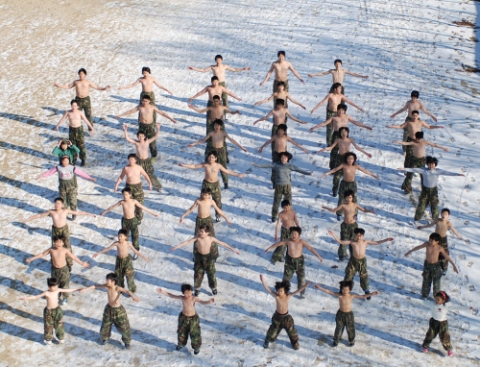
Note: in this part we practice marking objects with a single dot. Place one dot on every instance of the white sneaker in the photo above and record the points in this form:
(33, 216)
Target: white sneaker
(47, 342)
(60, 341)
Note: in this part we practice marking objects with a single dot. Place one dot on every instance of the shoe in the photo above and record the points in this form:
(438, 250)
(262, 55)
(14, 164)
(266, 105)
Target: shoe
(104, 342)
(282, 260)
(334, 194)
(65, 302)
(196, 351)
(273, 262)
(218, 218)
(228, 160)
(214, 292)
(351, 344)
(178, 347)
(444, 272)
(135, 257)
(334, 344)
(450, 353)
(74, 217)
(274, 219)
(342, 258)
(196, 293)
(425, 350)
(302, 296)
(339, 218)
(61, 341)
(139, 222)
(225, 186)
(265, 344)
(47, 342)
(296, 346)
(368, 298)
(84, 162)
(127, 346)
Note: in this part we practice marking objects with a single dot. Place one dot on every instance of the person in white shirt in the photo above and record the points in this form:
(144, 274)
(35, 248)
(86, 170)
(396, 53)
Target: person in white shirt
(438, 324)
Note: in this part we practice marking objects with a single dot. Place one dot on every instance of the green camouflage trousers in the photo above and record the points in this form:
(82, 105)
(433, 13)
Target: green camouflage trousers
(189, 325)
(279, 253)
(149, 131)
(63, 277)
(152, 102)
(85, 105)
(344, 320)
(147, 165)
(66, 234)
(139, 195)
(407, 163)
(115, 316)
(414, 163)
(443, 260)
(329, 131)
(339, 159)
(280, 322)
(224, 95)
(439, 328)
(216, 193)
(77, 137)
(360, 266)
(428, 196)
(405, 134)
(68, 192)
(334, 151)
(284, 191)
(204, 264)
(124, 268)
(432, 273)
(221, 158)
(345, 186)
(346, 234)
(208, 221)
(131, 225)
(292, 266)
(53, 319)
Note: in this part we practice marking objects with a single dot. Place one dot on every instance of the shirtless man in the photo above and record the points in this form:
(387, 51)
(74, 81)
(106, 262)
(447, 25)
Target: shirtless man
(358, 259)
(204, 261)
(294, 261)
(281, 93)
(147, 82)
(334, 100)
(349, 223)
(214, 112)
(442, 225)
(114, 313)
(146, 121)
(217, 140)
(281, 319)
(129, 220)
(281, 67)
(219, 70)
(338, 74)
(82, 88)
(417, 159)
(432, 269)
(188, 320)
(286, 219)
(75, 130)
(133, 173)
(344, 317)
(349, 168)
(60, 270)
(413, 105)
(212, 168)
(59, 223)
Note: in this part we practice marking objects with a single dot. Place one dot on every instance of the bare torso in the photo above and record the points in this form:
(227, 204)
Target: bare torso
(349, 212)
(279, 115)
(414, 127)
(337, 76)
(211, 172)
(74, 118)
(204, 207)
(280, 143)
(215, 91)
(287, 218)
(188, 306)
(345, 301)
(59, 217)
(218, 139)
(122, 249)
(216, 113)
(147, 83)
(340, 121)
(204, 245)
(414, 106)
(52, 298)
(280, 69)
(343, 145)
(334, 100)
(442, 226)
(432, 253)
(132, 174)
(282, 304)
(359, 249)
(58, 257)
(82, 88)
(142, 149)
(419, 149)
(128, 207)
(113, 296)
(295, 248)
(219, 71)
(145, 114)
(349, 172)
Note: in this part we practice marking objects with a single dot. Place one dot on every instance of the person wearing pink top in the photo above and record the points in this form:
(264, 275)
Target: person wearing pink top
(67, 183)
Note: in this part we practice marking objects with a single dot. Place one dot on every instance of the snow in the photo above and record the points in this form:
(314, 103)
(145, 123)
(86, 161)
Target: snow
(401, 44)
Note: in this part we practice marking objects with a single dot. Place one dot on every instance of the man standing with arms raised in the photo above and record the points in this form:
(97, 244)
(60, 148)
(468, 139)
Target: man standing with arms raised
(281, 67)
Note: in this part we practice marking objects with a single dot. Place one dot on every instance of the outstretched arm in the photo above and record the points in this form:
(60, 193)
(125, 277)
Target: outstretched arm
(230, 93)
(147, 177)
(449, 259)
(300, 290)
(123, 290)
(268, 75)
(359, 124)
(400, 111)
(111, 208)
(380, 241)
(295, 73)
(269, 141)
(455, 231)
(138, 252)
(235, 142)
(360, 149)
(162, 291)
(61, 120)
(223, 244)
(341, 242)
(32, 298)
(104, 250)
(327, 291)
(141, 206)
(425, 244)
(184, 243)
(428, 225)
(367, 172)
(119, 179)
(236, 70)
(262, 101)
(191, 209)
(209, 135)
(355, 74)
(320, 74)
(333, 210)
(76, 259)
(275, 245)
(44, 253)
(129, 112)
(427, 112)
(312, 250)
(333, 170)
(161, 86)
(325, 123)
(36, 216)
(294, 101)
(135, 83)
(320, 103)
(436, 146)
(199, 110)
(94, 86)
(296, 144)
(64, 86)
(220, 212)
(191, 166)
(396, 126)
(267, 288)
(211, 300)
(264, 118)
(125, 132)
(362, 209)
(365, 295)
(157, 132)
(164, 114)
(203, 91)
(208, 68)
(229, 172)
(352, 104)
(294, 118)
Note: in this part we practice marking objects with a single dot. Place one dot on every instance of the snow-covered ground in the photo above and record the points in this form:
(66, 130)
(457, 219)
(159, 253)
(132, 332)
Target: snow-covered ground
(401, 44)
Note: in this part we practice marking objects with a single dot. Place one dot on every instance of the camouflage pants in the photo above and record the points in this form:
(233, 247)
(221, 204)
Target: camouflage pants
(443, 261)
(214, 247)
(345, 186)
(360, 266)
(147, 165)
(131, 225)
(66, 234)
(280, 322)
(124, 268)
(77, 137)
(344, 320)
(189, 325)
(432, 273)
(339, 159)
(115, 316)
(331, 90)
(329, 131)
(279, 253)
(274, 132)
(85, 105)
(149, 131)
(414, 163)
(275, 158)
(407, 163)
(139, 195)
(292, 266)
(284, 191)
(346, 234)
(63, 277)
(152, 102)
(439, 328)
(221, 158)
(204, 264)
(68, 192)
(428, 196)
(53, 319)
(334, 151)
(224, 95)
(216, 193)
(405, 134)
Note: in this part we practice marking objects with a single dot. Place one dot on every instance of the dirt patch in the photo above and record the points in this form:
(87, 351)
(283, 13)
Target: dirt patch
(464, 23)
(470, 69)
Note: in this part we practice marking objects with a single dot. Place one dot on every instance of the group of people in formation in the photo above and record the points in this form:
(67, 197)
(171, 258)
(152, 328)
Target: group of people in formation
(289, 245)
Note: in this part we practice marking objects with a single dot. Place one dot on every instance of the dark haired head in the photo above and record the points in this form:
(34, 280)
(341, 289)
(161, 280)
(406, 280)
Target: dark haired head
(286, 154)
(281, 84)
(359, 231)
(279, 101)
(82, 70)
(349, 193)
(419, 135)
(415, 94)
(218, 122)
(73, 101)
(337, 60)
(147, 69)
(430, 159)
(282, 127)
(147, 97)
(132, 155)
(128, 190)
(415, 112)
(281, 53)
(214, 78)
(446, 210)
(206, 190)
(285, 284)
(141, 132)
(346, 283)
(435, 237)
(342, 106)
(336, 85)
(113, 277)
(342, 129)
(205, 227)
(444, 295)
(218, 57)
(52, 281)
(186, 287)
(216, 97)
(285, 203)
(350, 154)
(214, 153)
(58, 238)
(59, 199)
(296, 229)
(124, 232)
